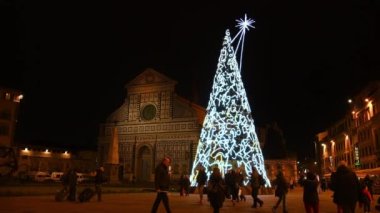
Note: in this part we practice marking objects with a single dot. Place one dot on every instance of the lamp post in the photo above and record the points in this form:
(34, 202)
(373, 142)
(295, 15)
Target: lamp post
(323, 158)
(317, 158)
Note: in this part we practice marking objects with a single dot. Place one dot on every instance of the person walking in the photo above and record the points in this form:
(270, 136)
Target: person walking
(184, 184)
(366, 199)
(346, 187)
(281, 190)
(65, 181)
(72, 183)
(162, 183)
(323, 184)
(310, 193)
(240, 181)
(228, 180)
(201, 181)
(215, 190)
(369, 183)
(99, 180)
(255, 185)
(291, 183)
(232, 186)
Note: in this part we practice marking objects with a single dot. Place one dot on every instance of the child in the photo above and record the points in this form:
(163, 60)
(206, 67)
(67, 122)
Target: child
(366, 199)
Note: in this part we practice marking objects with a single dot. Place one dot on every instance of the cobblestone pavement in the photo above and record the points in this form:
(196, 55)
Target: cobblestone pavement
(142, 202)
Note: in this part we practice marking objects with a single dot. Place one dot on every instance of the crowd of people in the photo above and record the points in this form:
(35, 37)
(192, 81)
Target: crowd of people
(218, 188)
(348, 191)
(70, 181)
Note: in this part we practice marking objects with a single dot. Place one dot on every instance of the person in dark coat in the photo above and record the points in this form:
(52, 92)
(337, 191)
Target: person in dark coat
(72, 178)
(99, 180)
(281, 190)
(366, 199)
(229, 181)
(162, 184)
(310, 193)
(201, 181)
(369, 183)
(255, 185)
(215, 190)
(184, 185)
(232, 186)
(323, 184)
(65, 181)
(346, 187)
(240, 181)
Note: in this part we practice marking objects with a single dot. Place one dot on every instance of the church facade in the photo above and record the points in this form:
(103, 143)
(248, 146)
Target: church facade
(153, 122)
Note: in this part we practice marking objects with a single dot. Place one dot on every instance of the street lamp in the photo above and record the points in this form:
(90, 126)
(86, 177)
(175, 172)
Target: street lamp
(323, 157)
(316, 154)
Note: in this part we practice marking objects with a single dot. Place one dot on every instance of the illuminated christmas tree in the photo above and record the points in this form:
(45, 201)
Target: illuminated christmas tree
(228, 138)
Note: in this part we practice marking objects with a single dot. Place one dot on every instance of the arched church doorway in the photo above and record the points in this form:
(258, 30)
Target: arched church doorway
(144, 164)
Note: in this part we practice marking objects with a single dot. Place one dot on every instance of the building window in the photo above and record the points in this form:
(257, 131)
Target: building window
(149, 112)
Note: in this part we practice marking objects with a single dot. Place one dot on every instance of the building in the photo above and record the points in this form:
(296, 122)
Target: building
(356, 137)
(277, 157)
(9, 105)
(153, 122)
(19, 159)
(38, 158)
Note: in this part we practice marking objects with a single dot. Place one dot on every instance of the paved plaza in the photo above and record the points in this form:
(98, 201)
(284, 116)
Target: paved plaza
(142, 202)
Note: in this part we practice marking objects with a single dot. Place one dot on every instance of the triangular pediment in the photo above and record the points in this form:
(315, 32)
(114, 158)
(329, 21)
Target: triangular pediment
(150, 77)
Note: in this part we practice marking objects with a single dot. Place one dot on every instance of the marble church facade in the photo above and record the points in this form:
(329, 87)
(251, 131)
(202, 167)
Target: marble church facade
(153, 122)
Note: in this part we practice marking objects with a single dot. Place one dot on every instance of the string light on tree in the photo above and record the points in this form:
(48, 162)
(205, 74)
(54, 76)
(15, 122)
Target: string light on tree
(228, 137)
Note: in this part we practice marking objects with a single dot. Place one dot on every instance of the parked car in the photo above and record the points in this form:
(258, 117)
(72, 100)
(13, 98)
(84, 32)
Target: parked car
(82, 177)
(42, 177)
(56, 176)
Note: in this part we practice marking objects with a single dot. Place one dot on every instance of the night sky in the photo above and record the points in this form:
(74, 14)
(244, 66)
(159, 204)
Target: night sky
(301, 62)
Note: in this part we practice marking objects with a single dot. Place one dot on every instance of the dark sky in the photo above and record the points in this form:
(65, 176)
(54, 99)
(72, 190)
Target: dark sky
(301, 62)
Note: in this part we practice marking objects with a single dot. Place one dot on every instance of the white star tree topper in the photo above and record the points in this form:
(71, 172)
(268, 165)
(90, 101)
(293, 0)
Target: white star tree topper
(243, 25)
